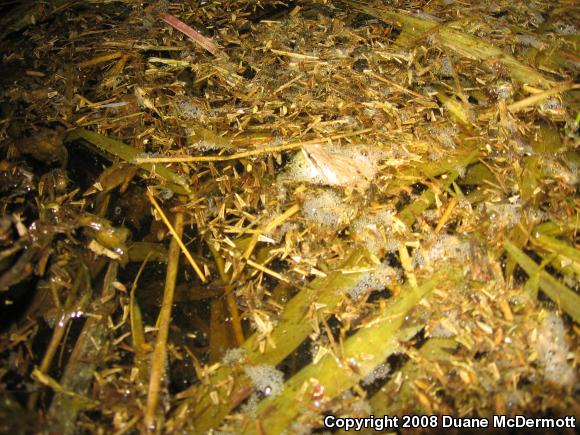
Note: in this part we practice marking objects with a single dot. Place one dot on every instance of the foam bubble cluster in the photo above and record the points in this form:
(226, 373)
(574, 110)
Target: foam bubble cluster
(444, 248)
(325, 208)
(553, 351)
(379, 231)
(233, 356)
(267, 379)
(504, 214)
(378, 279)
(379, 372)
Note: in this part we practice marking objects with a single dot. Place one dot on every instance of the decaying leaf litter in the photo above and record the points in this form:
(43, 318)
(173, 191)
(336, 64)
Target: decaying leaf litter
(245, 216)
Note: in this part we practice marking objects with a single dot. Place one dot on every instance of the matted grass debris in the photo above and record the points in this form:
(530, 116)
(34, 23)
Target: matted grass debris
(242, 217)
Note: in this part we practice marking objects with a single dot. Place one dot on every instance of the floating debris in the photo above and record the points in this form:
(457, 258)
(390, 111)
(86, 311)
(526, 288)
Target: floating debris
(249, 218)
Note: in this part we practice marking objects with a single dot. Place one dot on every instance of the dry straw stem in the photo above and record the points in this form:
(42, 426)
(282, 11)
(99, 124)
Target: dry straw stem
(256, 152)
(164, 320)
(361, 353)
(176, 237)
(287, 84)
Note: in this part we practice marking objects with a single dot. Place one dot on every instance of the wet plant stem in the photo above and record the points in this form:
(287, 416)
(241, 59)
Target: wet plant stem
(164, 320)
